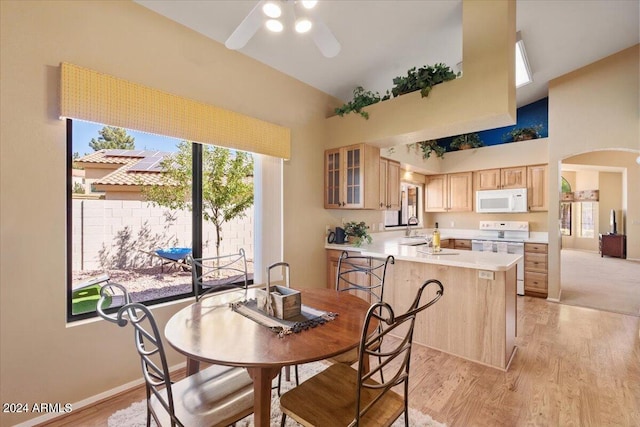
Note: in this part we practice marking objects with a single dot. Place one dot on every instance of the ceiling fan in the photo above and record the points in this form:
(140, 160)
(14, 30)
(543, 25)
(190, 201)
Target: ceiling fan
(268, 12)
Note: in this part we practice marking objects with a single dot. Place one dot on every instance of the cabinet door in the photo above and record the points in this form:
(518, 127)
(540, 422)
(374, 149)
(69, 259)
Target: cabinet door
(332, 179)
(384, 163)
(435, 193)
(460, 192)
(537, 188)
(488, 179)
(393, 186)
(513, 177)
(353, 159)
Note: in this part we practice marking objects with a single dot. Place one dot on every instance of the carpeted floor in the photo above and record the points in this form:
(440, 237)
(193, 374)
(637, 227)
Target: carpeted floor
(135, 415)
(610, 284)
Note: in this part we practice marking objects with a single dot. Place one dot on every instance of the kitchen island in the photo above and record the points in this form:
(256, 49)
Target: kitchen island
(476, 317)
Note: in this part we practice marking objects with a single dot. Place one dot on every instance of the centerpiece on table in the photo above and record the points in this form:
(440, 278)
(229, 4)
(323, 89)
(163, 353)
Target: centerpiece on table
(357, 232)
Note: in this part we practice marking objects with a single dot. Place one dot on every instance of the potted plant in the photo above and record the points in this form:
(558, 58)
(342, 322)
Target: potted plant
(361, 99)
(466, 140)
(422, 79)
(524, 133)
(357, 232)
(428, 147)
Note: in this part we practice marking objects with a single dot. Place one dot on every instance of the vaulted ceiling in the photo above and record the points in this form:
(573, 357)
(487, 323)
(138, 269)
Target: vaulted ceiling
(383, 39)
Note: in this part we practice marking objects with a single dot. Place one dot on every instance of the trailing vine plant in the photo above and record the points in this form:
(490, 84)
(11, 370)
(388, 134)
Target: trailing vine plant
(422, 79)
(428, 147)
(361, 98)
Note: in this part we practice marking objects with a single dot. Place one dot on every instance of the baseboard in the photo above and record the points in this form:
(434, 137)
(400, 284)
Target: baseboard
(92, 400)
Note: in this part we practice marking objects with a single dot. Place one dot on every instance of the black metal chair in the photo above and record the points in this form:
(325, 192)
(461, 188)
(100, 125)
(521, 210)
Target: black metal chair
(216, 396)
(364, 276)
(218, 273)
(344, 396)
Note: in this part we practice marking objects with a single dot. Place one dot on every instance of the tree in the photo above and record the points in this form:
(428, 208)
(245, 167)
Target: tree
(113, 137)
(227, 184)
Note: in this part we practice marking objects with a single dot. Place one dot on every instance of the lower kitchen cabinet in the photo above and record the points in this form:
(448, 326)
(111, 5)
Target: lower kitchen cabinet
(332, 271)
(535, 269)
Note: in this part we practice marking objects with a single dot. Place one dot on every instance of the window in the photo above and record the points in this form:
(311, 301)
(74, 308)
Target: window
(565, 219)
(115, 230)
(410, 206)
(585, 217)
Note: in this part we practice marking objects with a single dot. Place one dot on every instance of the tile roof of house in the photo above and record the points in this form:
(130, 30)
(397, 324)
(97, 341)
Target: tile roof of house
(138, 168)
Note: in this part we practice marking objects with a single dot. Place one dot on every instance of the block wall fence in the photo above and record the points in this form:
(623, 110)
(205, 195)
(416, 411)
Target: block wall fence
(120, 234)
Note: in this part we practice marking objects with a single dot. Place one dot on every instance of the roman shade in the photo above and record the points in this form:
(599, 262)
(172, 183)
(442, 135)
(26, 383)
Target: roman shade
(101, 98)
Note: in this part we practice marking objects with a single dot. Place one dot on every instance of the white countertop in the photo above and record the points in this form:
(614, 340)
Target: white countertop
(383, 246)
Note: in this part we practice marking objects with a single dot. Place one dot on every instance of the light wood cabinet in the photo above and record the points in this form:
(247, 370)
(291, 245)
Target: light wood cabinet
(462, 244)
(449, 193)
(389, 185)
(537, 188)
(332, 272)
(535, 269)
(494, 179)
(351, 177)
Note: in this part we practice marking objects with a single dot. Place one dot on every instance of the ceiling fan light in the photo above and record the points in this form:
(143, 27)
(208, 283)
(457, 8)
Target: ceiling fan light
(309, 4)
(303, 25)
(274, 25)
(272, 10)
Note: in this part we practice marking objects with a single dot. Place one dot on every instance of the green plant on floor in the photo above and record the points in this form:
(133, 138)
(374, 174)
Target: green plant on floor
(358, 231)
(524, 133)
(466, 141)
(361, 99)
(422, 79)
(427, 148)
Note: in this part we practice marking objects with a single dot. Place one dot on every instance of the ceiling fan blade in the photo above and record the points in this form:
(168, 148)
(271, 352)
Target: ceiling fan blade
(247, 28)
(324, 39)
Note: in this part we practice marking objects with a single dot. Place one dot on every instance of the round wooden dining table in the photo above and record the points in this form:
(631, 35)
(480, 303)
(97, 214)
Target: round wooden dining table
(210, 331)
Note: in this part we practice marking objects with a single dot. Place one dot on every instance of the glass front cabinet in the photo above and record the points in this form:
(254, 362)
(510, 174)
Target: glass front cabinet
(352, 177)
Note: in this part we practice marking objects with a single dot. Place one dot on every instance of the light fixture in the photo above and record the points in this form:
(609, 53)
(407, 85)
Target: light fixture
(272, 10)
(303, 25)
(523, 71)
(274, 25)
(309, 4)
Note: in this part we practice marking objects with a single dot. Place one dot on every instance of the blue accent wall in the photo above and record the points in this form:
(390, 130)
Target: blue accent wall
(534, 114)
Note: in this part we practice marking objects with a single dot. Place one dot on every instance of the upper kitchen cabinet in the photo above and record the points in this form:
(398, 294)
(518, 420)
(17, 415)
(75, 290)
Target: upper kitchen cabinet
(449, 193)
(389, 185)
(537, 188)
(494, 179)
(351, 177)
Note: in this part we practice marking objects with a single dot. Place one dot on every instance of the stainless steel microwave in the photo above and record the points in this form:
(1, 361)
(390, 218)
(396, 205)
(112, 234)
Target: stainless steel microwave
(501, 201)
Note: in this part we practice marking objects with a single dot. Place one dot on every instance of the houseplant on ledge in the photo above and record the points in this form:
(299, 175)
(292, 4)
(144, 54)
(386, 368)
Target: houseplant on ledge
(466, 141)
(357, 232)
(428, 147)
(524, 133)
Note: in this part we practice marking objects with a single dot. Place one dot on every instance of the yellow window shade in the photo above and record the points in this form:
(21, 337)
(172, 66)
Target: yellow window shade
(96, 97)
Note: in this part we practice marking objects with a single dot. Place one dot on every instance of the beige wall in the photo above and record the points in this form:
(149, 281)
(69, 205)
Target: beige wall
(591, 109)
(44, 359)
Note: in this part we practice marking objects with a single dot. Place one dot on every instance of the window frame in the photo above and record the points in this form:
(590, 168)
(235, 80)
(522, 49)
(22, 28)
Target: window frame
(196, 228)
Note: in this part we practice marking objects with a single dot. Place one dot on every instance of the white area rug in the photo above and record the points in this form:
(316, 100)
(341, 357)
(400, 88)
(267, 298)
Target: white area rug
(136, 414)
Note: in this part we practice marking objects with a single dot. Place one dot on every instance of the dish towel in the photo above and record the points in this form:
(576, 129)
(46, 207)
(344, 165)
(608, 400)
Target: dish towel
(502, 247)
(487, 246)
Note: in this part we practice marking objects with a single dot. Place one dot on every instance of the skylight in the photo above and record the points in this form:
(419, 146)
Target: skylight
(523, 72)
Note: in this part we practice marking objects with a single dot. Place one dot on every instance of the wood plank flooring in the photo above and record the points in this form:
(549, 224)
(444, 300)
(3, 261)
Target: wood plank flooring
(574, 367)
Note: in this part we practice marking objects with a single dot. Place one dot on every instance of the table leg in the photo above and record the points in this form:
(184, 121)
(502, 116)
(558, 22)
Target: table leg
(262, 393)
(193, 366)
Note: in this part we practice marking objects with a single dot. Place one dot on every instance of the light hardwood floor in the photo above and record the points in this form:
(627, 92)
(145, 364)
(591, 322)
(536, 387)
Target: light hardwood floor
(574, 367)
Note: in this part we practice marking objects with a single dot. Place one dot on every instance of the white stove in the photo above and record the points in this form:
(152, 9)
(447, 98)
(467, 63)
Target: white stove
(507, 237)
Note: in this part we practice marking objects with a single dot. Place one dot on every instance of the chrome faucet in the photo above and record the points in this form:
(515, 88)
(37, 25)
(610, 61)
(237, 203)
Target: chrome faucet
(411, 221)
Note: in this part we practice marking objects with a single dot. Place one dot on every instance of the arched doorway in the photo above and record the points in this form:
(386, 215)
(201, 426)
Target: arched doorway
(587, 279)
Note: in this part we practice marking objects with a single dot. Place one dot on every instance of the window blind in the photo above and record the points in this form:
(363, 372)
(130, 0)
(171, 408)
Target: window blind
(101, 98)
